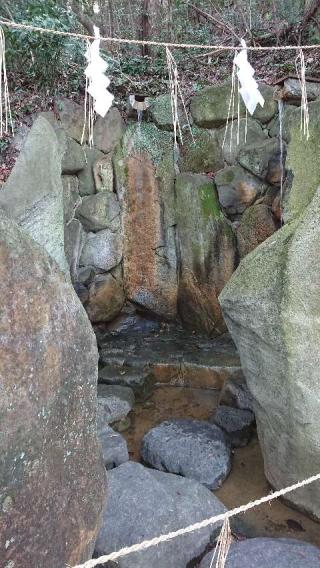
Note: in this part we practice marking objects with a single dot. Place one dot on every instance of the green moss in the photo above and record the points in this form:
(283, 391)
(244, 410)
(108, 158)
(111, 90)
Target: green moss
(209, 201)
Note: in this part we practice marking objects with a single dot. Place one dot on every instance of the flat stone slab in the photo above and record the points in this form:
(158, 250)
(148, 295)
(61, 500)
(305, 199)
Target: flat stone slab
(144, 503)
(139, 380)
(113, 446)
(114, 403)
(236, 423)
(175, 357)
(269, 553)
(192, 448)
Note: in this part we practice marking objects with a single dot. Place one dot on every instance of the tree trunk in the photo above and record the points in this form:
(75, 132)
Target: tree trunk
(145, 27)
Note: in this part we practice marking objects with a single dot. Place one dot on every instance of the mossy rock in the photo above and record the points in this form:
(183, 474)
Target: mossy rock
(202, 153)
(250, 132)
(161, 113)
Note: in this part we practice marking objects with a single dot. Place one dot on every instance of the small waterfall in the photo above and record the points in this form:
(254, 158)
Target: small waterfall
(282, 172)
(139, 115)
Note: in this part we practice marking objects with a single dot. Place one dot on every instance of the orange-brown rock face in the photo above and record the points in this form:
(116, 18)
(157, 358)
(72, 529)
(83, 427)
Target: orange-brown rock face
(52, 481)
(149, 262)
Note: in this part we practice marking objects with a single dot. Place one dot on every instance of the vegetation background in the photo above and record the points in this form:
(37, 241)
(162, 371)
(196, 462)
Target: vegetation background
(41, 66)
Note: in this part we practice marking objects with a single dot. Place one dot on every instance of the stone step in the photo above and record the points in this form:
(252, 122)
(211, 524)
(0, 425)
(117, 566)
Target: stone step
(172, 359)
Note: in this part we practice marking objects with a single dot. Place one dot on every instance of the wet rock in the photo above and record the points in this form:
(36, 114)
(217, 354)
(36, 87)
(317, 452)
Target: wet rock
(235, 393)
(131, 321)
(238, 189)
(106, 296)
(257, 225)
(202, 153)
(197, 450)
(73, 160)
(48, 444)
(116, 401)
(271, 309)
(100, 211)
(108, 130)
(159, 503)
(231, 147)
(113, 446)
(71, 197)
(33, 194)
(263, 160)
(141, 381)
(102, 250)
(236, 423)
(267, 552)
(161, 113)
(290, 117)
(87, 185)
(207, 253)
(71, 118)
(145, 173)
(74, 238)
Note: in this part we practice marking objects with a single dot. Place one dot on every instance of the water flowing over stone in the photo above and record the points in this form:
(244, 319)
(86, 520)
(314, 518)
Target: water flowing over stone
(207, 253)
(52, 477)
(145, 173)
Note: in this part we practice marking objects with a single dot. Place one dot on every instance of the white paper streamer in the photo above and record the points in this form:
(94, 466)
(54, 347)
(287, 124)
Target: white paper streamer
(98, 83)
(249, 90)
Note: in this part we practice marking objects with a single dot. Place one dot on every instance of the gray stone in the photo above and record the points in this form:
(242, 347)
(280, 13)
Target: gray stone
(200, 153)
(161, 113)
(141, 381)
(100, 211)
(207, 253)
(197, 450)
(87, 185)
(235, 393)
(113, 446)
(238, 189)
(291, 91)
(257, 224)
(74, 238)
(266, 113)
(255, 135)
(103, 174)
(271, 307)
(102, 250)
(106, 296)
(73, 160)
(263, 160)
(116, 401)
(269, 553)
(236, 423)
(71, 197)
(144, 503)
(33, 194)
(48, 444)
(108, 131)
(71, 118)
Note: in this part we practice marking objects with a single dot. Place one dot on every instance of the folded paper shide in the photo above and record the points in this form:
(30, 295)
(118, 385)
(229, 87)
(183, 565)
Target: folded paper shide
(249, 90)
(97, 81)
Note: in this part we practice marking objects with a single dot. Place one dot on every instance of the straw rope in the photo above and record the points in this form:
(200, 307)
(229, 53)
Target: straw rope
(196, 526)
(155, 43)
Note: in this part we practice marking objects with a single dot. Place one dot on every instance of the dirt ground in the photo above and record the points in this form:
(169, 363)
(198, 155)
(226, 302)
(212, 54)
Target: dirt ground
(246, 481)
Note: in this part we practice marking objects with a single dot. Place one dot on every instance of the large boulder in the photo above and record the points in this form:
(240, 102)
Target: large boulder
(271, 306)
(238, 189)
(52, 477)
(100, 211)
(145, 172)
(102, 250)
(106, 296)
(257, 224)
(263, 160)
(108, 130)
(207, 253)
(33, 194)
(233, 137)
(143, 504)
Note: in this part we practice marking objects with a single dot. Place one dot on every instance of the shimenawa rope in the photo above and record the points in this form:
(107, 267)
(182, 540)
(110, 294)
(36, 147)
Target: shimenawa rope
(196, 526)
(156, 43)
